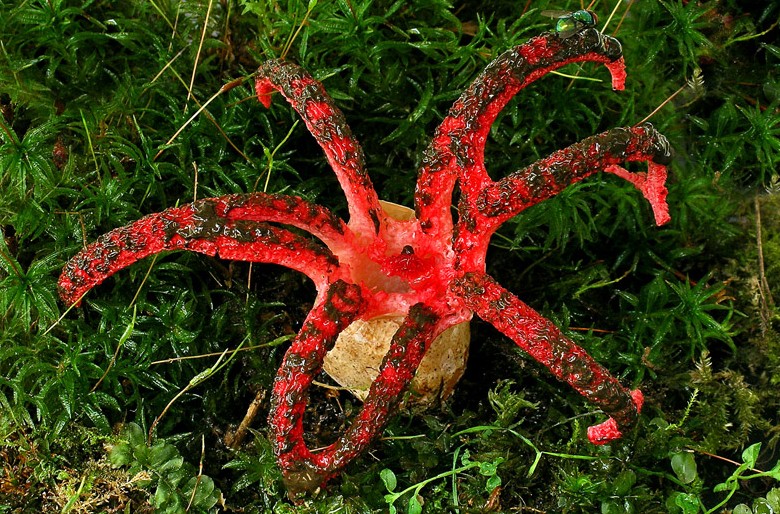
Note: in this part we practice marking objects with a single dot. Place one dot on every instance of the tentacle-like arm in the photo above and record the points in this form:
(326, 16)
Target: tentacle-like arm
(200, 227)
(329, 127)
(548, 177)
(304, 470)
(544, 342)
(482, 214)
(457, 148)
(287, 210)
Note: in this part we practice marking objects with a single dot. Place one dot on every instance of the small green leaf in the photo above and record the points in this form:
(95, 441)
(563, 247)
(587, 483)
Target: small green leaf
(741, 509)
(492, 482)
(762, 506)
(134, 435)
(414, 507)
(165, 458)
(750, 454)
(687, 502)
(388, 478)
(684, 467)
(163, 495)
(120, 455)
(773, 497)
(489, 468)
(205, 496)
(179, 476)
(775, 471)
(623, 483)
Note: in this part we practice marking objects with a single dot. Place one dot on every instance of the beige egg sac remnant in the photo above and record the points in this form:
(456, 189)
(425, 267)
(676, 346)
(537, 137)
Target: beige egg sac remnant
(354, 361)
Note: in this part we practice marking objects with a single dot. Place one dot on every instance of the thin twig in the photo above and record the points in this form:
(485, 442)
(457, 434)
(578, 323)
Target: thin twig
(611, 15)
(161, 13)
(761, 268)
(12, 264)
(767, 301)
(227, 87)
(65, 313)
(195, 186)
(89, 141)
(141, 285)
(668, 99)
(168, 65)
(606, 23)
(330, 386)
(175, 29)
(724, 459)
(11, 136)
(200, 47)
(525, 7)
(193, 383)
(622, 18)
(200, 471)
(234, 439)
(293, 36)
(277, 341)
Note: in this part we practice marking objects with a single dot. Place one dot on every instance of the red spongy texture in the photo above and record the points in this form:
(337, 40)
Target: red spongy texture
(652, 185)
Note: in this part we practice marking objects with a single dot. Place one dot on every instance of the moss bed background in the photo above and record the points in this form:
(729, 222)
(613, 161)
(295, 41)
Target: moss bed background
(92, 91)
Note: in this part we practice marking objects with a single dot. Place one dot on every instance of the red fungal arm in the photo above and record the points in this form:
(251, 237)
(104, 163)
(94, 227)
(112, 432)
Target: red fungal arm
(329, 127)
(342, 303)
(547, 177)
(483, 212)
(199, 228)
(304, 470)
(458, 145)
(288, 210)
(652, 185)
(545, 343)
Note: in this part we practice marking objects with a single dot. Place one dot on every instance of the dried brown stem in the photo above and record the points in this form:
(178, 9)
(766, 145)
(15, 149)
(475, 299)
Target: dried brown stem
(234, 439)
(767, 301)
